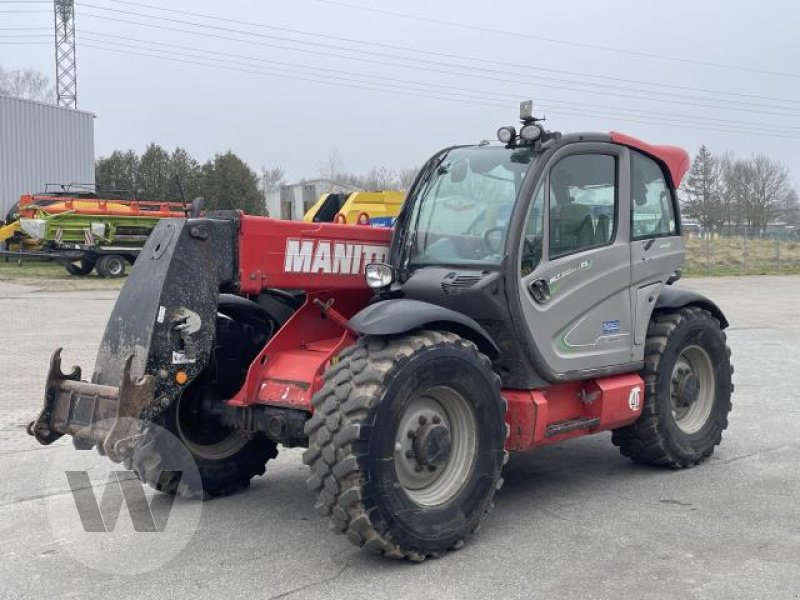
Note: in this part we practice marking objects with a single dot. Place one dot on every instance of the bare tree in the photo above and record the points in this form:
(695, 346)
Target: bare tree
(772, 189)
(380, 178)
(271, 178)
(728, 183)
(793, 208)
(332, 168)
(27, 83)
(406, 177)
(759, 190)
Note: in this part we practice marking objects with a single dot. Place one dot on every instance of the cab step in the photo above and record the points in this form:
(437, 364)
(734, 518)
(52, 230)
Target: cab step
(571, 425)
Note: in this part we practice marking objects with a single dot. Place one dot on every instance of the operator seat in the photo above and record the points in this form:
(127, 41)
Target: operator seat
(571, 227)
(602, 231)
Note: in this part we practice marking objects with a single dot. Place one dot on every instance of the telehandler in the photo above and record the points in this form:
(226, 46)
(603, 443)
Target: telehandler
(524, 297)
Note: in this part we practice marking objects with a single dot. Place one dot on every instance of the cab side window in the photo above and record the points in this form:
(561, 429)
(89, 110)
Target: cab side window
(583, 203)
(533, 234)
(652, 207)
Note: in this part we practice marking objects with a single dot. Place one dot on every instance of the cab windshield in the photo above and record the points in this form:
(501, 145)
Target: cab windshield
(462, 210)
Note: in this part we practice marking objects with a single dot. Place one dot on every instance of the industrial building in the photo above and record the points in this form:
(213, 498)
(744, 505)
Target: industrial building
(42, 144)
(292, 201)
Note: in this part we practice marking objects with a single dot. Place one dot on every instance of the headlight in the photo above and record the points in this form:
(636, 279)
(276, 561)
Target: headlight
(531, 132)
(506, 134)
(35, 228)
(378, 275)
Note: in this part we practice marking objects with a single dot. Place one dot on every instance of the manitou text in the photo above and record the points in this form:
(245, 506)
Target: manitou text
(331, 257)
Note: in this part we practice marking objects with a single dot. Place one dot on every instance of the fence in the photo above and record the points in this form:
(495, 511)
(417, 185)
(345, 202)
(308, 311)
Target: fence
(737, 255)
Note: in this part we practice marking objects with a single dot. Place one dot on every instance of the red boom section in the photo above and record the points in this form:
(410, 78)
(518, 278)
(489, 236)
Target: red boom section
(308, 256)
(326, 261)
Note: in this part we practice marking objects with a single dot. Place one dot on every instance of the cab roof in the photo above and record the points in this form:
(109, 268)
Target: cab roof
(674, 158)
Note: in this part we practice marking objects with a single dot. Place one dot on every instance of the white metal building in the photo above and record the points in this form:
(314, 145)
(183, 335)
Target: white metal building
(292, 201)
(40, 144)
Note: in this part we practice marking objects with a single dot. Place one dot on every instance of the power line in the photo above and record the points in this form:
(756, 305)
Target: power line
(419, 93)
(472, 59)
(573, 43)
(420, 64)
(211, 54)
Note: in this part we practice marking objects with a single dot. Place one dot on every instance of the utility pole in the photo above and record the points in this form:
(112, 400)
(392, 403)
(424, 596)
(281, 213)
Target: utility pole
(66, 71)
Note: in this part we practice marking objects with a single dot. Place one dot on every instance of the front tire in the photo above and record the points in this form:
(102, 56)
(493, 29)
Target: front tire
(688, 391)
(406, 445)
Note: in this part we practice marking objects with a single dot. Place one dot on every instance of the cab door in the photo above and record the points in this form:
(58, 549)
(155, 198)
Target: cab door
(657, 248)
(576, 297)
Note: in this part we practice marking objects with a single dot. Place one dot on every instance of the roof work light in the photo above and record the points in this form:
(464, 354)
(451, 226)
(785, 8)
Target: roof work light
(506, 134)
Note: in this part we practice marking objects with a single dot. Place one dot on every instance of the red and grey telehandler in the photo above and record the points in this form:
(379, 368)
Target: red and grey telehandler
(523, 297)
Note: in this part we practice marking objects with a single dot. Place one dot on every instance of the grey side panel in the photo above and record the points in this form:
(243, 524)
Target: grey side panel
(674, 297)
(390, 317)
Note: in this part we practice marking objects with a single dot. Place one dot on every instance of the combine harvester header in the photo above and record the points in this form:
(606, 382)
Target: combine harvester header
(83, 231)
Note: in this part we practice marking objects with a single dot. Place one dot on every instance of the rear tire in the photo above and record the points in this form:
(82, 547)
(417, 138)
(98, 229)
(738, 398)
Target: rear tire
(226, 459)
(688, 391)
(111, 266)
(226, 464)
(406, 445)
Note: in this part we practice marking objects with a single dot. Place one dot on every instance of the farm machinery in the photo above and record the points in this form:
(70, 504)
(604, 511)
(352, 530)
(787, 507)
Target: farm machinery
(378, 209)
(83, 231)
(524, 297)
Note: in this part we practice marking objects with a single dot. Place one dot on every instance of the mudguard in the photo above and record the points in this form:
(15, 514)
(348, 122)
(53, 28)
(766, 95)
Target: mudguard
(392, 317)
(672, 297)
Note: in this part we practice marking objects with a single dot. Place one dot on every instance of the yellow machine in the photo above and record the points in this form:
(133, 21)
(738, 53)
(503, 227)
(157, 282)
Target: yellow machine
(362, 208)
(8, 231)
(13, 236)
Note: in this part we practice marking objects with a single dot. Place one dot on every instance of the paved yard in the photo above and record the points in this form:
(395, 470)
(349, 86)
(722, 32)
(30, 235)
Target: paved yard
(572, 521)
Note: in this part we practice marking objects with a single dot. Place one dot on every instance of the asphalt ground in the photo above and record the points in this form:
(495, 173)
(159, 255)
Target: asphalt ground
(575, 520)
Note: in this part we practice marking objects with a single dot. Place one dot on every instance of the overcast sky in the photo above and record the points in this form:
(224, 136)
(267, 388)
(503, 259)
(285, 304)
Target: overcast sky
(295, 79)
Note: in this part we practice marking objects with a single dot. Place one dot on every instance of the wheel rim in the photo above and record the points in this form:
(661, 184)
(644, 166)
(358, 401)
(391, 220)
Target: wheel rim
(204, 437)
(435, 445)
(115, 267)
(692, 389)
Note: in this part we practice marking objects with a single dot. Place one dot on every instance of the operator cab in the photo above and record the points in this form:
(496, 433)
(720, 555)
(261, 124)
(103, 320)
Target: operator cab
(556, 246)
